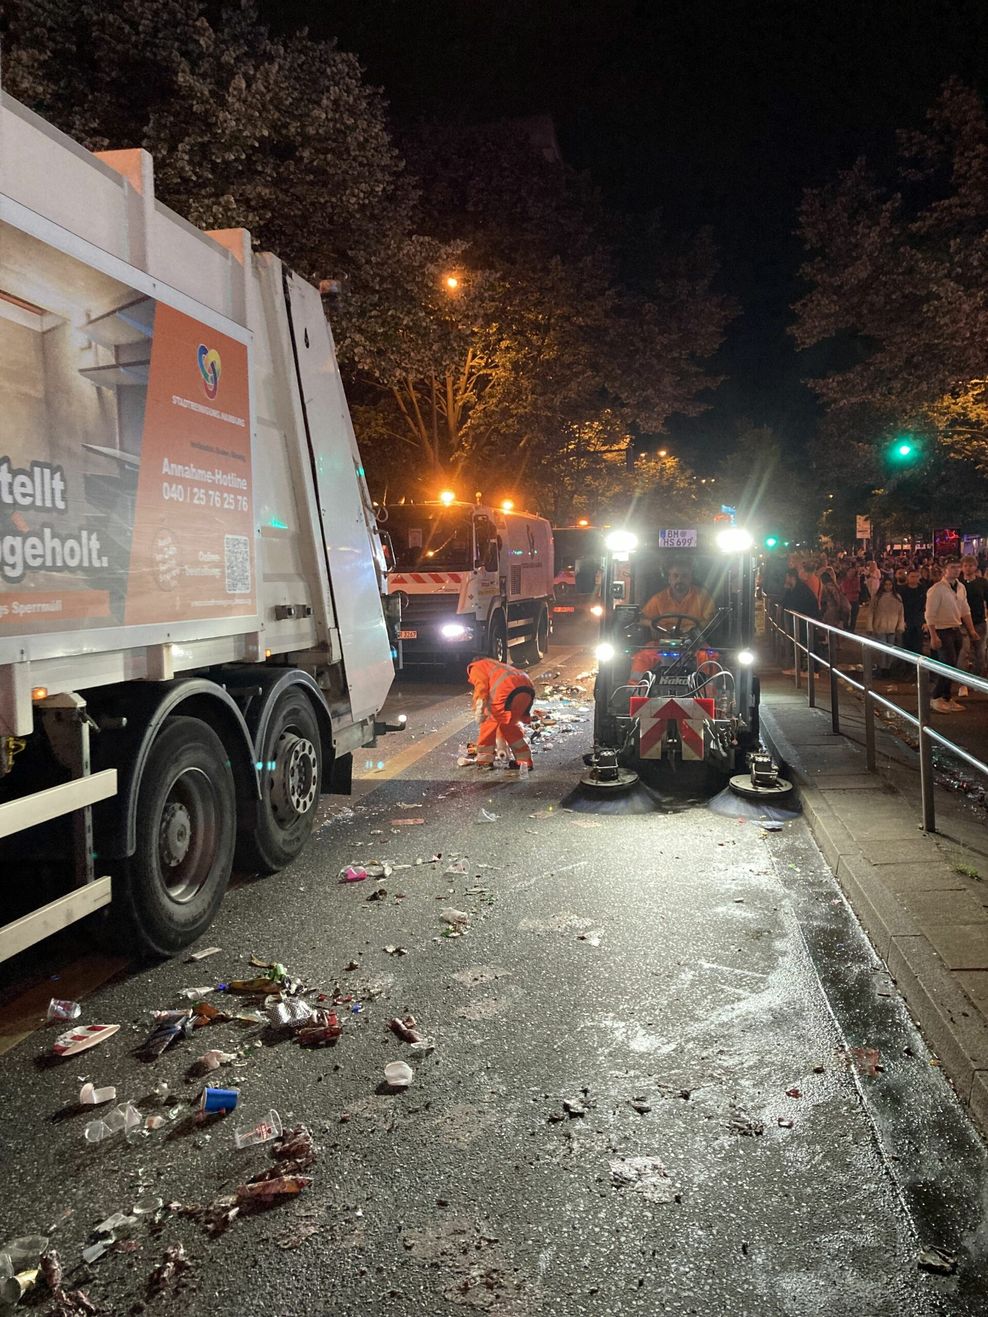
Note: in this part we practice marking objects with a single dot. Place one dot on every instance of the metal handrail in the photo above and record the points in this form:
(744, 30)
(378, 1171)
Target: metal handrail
(868, 648)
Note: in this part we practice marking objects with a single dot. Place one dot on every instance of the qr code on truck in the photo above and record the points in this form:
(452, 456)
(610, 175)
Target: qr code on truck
(236, 549)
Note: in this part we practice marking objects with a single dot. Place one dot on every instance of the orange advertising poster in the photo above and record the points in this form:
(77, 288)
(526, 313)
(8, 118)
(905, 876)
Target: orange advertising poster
(125, 446)
(192, 550)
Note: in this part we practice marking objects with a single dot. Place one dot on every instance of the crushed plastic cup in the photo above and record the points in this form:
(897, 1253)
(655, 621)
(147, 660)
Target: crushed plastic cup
(122, 1119)
(485, 816)
(213, 1059)
(353, 873)
(63, 1010)
(154, 1122)
(25, 1250)
(398, 1074)
(90, 1096)
(263, 1132)
(456, 919)
(96, 1131)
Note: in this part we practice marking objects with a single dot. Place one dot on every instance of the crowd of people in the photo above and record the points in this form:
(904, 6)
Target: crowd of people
(915, 602)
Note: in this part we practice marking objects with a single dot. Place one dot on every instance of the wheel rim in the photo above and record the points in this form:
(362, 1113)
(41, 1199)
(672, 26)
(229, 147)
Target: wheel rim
(295, 780)
(187, 832)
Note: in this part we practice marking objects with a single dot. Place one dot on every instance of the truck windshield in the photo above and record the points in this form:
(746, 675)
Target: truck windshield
(431, 537)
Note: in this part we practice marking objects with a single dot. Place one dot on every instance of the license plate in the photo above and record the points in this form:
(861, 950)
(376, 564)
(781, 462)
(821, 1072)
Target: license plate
(408, 635)
(564, 608)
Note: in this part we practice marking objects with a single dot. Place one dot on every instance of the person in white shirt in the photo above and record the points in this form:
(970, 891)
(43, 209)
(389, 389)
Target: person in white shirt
(947, 618)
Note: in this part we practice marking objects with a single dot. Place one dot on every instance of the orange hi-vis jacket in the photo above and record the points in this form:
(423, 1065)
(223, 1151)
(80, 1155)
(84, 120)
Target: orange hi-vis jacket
(495, 684)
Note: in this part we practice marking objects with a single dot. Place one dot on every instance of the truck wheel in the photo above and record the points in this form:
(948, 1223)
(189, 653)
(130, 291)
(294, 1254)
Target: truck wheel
(168, 891)
(292, 771)
(536, 649)
(498, 647)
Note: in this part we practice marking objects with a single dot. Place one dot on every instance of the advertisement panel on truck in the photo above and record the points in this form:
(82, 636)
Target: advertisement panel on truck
(125, 453)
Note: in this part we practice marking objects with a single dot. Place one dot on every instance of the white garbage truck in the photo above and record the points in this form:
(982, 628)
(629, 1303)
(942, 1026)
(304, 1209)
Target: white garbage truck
(470, 578)
(193, 638)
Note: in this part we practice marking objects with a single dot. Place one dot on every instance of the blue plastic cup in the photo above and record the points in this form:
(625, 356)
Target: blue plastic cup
(218, 1099)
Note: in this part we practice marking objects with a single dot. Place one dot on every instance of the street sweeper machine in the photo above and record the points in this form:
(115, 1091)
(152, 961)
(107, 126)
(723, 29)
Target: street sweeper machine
(676, 689)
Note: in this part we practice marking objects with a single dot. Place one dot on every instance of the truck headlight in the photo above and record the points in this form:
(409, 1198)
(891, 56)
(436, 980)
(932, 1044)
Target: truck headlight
(733, 539)
(454, 631)
(621, 541)
(745, 658)
(604, 652)
(597, 610)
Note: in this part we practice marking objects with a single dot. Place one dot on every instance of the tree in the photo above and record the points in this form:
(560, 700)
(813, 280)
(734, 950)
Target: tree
(547, 356)
(768, 486)
(277, 135)
(896, 277)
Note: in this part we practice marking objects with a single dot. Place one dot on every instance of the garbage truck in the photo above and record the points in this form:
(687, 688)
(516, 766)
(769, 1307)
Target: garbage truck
(193, 636)
(469, 578)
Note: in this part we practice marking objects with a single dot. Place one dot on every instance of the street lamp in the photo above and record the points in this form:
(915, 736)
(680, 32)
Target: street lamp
(452, 282)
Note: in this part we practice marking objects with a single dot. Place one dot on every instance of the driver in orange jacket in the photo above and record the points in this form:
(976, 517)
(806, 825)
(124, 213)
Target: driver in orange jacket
(681, 606)
(503, 697)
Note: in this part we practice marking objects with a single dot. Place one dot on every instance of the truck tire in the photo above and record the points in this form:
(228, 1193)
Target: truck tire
(535, 650)
(498, 643)
(286, 813)
(166, 894)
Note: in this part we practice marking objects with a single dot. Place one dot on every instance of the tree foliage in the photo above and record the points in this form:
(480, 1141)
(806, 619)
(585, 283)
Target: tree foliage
(564, 336)
(279, 135)
(897, 284)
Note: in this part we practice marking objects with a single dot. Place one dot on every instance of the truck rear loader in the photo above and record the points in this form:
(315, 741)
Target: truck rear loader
(192, 635)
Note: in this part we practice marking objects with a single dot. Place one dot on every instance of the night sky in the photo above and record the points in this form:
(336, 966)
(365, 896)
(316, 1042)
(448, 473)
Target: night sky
(717, 113)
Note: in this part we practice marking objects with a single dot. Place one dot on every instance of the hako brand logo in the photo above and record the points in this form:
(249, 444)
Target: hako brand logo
(210, 368)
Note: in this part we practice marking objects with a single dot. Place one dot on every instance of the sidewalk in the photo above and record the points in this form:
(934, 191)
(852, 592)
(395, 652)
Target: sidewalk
(915, 893)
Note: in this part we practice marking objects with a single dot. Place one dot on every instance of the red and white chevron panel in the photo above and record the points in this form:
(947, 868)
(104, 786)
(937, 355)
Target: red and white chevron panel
(654, 716)
(421, 582)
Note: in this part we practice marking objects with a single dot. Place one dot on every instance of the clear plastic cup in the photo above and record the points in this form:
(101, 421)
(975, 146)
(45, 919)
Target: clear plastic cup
(398, 1074)
(263, 1132)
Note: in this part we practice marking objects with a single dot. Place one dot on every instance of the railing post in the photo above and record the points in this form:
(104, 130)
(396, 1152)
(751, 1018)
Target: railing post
(834, 695)
(795, 650)
(810, 669)
(869, 707)
(926, 781)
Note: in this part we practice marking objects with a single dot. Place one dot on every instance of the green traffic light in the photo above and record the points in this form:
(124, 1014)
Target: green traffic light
(771, 541)
(904, 450)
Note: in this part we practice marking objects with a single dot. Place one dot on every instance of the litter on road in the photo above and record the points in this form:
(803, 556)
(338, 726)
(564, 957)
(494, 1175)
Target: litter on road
(81, 1039)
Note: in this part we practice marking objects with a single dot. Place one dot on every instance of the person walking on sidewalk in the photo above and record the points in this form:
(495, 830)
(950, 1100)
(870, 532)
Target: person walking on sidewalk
(913, 598)
(948, 617)
(503, 697)
(887, 622)
(851, 585)
(799, 598)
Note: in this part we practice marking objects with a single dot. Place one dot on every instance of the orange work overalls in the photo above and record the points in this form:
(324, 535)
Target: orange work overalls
(507, 695)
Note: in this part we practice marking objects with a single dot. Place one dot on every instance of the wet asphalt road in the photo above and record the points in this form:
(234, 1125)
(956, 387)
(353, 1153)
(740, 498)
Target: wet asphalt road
(690, 963)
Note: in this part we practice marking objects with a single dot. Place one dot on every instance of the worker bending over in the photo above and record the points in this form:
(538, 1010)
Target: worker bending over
(502, 697)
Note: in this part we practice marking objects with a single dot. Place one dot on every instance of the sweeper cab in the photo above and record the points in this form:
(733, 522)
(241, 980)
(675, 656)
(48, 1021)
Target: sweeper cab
(676, 689)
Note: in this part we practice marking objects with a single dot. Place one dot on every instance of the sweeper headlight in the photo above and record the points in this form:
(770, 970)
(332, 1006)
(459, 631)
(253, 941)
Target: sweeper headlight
(745, 658)
(597, 610)
(604, 652)
(621, 541)
(733, 539)
(454, 631)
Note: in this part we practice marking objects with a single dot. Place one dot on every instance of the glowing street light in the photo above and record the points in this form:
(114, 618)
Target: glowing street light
(452, 282)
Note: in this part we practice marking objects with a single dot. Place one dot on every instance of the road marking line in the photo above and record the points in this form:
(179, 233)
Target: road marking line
(405, 758)
(25, 1014)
